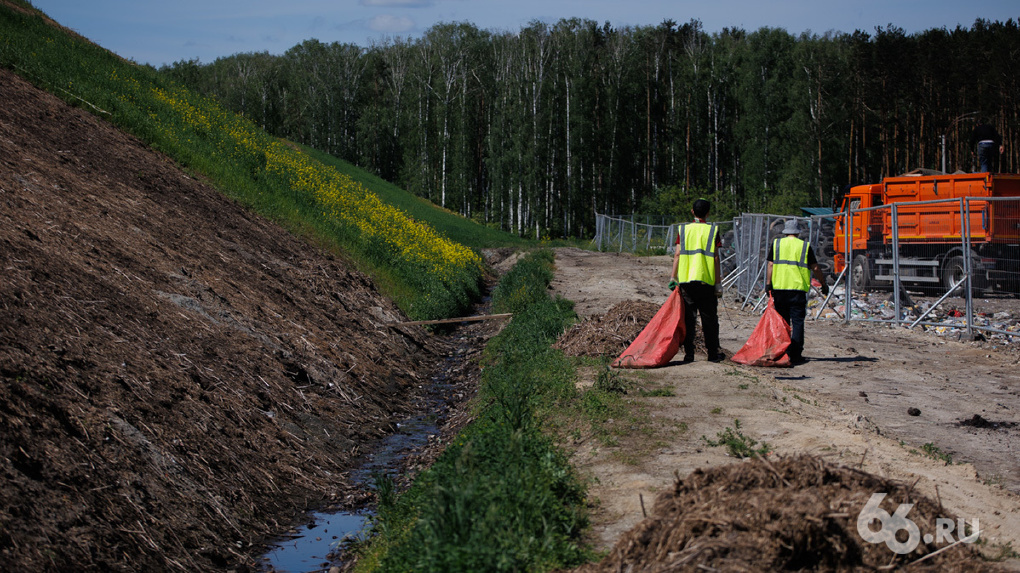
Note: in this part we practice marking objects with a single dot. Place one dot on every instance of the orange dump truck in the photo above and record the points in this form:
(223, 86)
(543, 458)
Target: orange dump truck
(929, 234)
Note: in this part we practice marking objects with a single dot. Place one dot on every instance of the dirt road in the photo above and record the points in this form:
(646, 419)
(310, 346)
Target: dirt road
(848, 404)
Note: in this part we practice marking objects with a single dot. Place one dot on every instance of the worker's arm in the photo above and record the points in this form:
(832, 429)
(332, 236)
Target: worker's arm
(817, 271)
(718, 273)
(768, 275)
(672, 284)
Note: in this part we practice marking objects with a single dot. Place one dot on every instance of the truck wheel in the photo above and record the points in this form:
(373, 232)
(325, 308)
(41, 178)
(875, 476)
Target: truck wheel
(860, 274)
(952, 273)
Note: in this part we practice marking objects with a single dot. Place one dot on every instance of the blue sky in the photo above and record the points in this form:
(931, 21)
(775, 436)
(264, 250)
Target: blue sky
(162, 32)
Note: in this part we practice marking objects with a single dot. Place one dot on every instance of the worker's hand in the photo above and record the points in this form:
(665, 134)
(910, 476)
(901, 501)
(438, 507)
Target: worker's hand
(825, 289)
(672, 284)
(718, 292)
(768, 288)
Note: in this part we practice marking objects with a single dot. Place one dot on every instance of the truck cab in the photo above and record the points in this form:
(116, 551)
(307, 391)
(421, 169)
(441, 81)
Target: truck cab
(867, 225)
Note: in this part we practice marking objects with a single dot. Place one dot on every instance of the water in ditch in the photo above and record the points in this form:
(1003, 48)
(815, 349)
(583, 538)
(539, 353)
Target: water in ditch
(314, 547)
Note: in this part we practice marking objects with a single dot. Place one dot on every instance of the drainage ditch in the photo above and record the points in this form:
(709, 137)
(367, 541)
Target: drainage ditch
(319, 545)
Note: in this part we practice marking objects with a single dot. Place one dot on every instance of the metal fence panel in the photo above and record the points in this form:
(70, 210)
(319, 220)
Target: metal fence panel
(631, 234)
(949, 265)
(754, 232)
(952, 265)
(645, 234)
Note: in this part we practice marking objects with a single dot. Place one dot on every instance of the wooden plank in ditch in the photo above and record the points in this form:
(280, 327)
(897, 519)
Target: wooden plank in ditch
(452, 320)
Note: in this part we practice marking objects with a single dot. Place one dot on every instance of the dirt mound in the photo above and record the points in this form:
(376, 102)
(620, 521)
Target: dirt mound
(792, 514)
(178, 377)
(977, 421)
(611, 333)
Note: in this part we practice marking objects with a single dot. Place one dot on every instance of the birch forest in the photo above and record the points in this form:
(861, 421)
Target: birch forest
(536, 130)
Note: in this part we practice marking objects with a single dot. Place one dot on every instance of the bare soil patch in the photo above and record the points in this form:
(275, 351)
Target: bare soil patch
(850, 405)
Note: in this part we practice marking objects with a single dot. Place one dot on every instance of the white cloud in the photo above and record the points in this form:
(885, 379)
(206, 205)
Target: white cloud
(389, 24)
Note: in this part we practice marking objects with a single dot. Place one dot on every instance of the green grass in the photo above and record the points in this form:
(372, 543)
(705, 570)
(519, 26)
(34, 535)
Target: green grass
(502, 496)
(656, 392)
(996, 552)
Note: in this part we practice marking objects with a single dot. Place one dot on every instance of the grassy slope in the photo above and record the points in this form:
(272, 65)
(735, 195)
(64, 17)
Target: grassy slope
(91, 77)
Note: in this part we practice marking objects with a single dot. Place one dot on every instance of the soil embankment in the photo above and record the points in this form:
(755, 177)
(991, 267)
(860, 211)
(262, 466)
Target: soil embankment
(178, 377)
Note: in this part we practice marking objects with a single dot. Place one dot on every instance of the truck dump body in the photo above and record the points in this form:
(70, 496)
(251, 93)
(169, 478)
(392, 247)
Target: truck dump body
(943, 222)
(935, 222)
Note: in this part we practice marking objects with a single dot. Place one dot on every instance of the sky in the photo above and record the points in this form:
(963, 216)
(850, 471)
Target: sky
(163, 32)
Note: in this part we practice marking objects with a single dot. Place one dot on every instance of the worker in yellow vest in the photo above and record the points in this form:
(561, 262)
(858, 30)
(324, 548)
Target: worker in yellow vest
(696, 272)
(791, 261)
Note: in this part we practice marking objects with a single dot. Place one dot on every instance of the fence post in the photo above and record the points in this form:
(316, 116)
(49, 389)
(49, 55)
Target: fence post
(896, 261)
(968, 267)
(848, 231)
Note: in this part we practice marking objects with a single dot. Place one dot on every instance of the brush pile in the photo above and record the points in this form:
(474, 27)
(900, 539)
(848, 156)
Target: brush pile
(791, 514)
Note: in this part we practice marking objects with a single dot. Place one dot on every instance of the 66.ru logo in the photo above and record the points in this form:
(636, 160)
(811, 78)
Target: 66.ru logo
(890, 525)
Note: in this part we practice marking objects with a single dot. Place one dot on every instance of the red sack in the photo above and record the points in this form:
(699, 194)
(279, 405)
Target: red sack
(768, 342)
(660, 340)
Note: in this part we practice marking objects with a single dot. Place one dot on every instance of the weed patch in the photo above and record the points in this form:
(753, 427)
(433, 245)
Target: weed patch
(737, 444)
(933, 452)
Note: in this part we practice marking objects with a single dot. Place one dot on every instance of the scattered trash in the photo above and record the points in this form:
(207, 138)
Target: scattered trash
(913, 412)
(948, 320)
(607, 334)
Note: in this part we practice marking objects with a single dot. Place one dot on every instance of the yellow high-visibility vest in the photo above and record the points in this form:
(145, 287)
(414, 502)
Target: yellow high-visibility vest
(789, 264)
(697, 253)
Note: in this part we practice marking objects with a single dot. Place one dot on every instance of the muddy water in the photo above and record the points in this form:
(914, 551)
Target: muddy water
(317, 546)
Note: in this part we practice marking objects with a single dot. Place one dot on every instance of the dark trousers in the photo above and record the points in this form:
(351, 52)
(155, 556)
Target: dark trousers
(699, 298)
(792, 306)
(988, 157)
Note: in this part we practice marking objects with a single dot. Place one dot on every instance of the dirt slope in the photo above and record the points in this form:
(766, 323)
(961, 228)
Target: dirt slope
(850, 405)
(178, 377)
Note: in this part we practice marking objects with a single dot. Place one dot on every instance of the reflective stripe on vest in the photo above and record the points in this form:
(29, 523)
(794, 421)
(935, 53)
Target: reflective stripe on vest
(789, 264)
(697, 253)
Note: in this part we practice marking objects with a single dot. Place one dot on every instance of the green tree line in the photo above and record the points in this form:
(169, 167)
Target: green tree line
(536, 130)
